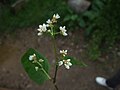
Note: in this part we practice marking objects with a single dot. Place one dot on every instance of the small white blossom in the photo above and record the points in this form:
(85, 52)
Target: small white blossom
(63, 52)
(41, 29)
(49, 21)
(60, 63)
(40, 33)
(56, 16)
(63, 31)
(31, 57)
(36, 68)
(49, 30)
(41, 60)
(47, 25)
(66, 63)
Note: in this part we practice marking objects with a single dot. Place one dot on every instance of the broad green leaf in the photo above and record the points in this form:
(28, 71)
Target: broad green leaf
(38, 76)
(76, 62)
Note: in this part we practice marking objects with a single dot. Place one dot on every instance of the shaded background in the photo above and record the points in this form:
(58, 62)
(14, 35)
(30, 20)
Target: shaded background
(94, 34)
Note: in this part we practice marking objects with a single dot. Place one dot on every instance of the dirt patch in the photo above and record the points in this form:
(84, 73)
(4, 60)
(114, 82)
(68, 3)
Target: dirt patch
(13, 76)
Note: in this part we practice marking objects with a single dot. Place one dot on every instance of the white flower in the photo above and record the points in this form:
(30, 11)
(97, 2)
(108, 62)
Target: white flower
(44, 28)
(63, 52)
(41, 29)
(49, 21)
(31, 57)
(56, 16)
(36, 68)
(66, 63)
(40, 33)
(41, 60)
(60, 63)
(63, 31)
(49, 30)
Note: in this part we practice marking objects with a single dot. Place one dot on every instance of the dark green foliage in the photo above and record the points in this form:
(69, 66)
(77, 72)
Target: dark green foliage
(109, 22)
(34, 13)
(106, 29)
(84, 19)
(38, 76)
(93, 13)
(38, 11)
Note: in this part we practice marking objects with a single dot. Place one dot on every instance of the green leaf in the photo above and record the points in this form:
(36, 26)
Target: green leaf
(67, 18)
(74, 17)
(89, 29)
(82, 23)
(75, 62)
(99, 4)
(38, 76)
(91, 15)
(70, 17)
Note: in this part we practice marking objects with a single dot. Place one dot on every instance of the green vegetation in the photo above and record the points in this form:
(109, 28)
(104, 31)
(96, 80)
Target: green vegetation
(37, 11)
(86, 18)
(40, 75)
(100, 21)
(106, 29)
(34, 13)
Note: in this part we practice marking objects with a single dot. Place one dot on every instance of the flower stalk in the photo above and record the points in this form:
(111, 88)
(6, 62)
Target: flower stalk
(56, 60)
(49, 28)
(39, 64)
(44, 70)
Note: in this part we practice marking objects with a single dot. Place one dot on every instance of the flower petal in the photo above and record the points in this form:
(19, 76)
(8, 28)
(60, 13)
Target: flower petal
(48, 21)
(39, 34)
(57, 16)
(67, 66)
(31, 58)
(36, 68)
(68, 60)
(69, 63)
(60, 63)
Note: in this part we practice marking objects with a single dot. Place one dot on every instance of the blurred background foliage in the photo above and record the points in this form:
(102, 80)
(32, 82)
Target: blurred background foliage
(105, 29)
(33, 13)
(100, 21)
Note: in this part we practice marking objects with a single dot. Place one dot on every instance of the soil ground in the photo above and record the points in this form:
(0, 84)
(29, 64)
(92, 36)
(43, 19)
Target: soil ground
(13, 76)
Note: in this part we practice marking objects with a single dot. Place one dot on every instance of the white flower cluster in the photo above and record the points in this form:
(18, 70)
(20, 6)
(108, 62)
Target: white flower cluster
(63, 31)
(41, 29)
(63, 52)
(34, 59)
(56, 16)
(44, 28)
(54, 19)
(66, 62)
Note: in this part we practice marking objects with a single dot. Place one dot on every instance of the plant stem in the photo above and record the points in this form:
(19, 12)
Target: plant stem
(44, 70)
(55, 75)
(55, 53)
(46, 73)
(56, 59)
(55, 49)
(56, 87)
